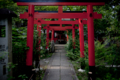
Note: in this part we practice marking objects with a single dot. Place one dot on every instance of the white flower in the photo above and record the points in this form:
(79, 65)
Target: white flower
(41, 47)
(42, 31)
(81, 70)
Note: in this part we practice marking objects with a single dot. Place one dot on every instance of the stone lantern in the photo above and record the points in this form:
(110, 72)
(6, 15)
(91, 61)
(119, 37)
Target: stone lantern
(5, 41)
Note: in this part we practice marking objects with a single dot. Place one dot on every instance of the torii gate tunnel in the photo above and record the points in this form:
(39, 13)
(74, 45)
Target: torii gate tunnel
(57, 28)
(89, 16)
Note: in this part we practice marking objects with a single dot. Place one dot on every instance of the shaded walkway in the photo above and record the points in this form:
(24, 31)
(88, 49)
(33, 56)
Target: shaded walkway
(59, 67)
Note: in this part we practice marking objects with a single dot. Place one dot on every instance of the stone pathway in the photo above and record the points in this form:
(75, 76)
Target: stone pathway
(59, 67)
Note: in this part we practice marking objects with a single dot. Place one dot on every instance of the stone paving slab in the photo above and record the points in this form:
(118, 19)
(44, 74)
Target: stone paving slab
(59, 67)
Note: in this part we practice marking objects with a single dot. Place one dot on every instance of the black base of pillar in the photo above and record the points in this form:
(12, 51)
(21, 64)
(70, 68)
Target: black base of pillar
(30, 73)
(47, 52)
(91, 73)
(83, 65)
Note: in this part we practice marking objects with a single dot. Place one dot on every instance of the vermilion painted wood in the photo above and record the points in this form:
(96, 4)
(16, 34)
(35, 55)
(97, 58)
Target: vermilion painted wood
(60, 3)
(60, 9)
(47, 38)
(30, 29)
(67, 35)
(60, 28)
(56, 15)
(89, 16)
(73, 36)
(24, 16)
(61, 15)
(91, 50)
(60, 22)
(53, 34)
(81, 38)
(39, 32)
(55, 39)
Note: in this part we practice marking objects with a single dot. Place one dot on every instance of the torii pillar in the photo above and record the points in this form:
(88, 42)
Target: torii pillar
(81, 38)
(30, 29)
(91, 48)
(67, 36)
(52, 41)
(52, 34)
(73, 36)
(39, 32)
(47, 38)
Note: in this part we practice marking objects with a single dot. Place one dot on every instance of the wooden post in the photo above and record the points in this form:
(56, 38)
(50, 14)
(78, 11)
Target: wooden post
(39, 33)
(52, 41)
(67, 36)
(30, 29)
(47, 38)
(91, 48)
(73, 36)
(81, 38)
(53, 34)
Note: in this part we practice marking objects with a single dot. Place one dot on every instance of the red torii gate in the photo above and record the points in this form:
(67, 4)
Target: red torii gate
(56, 28)
(65, 28)
(89, 15)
